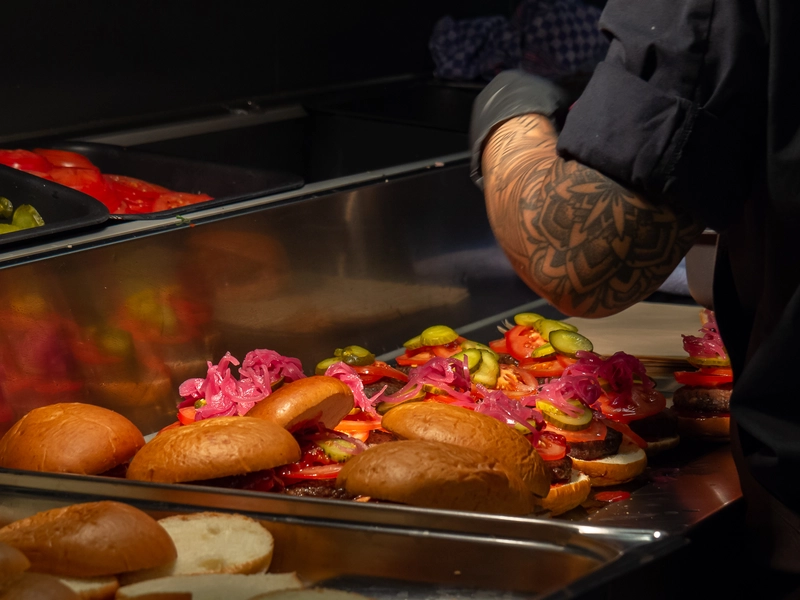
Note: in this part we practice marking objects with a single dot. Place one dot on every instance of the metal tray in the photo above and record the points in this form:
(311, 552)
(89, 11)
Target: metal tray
(226, 183)
(406, 553)
(63, 209)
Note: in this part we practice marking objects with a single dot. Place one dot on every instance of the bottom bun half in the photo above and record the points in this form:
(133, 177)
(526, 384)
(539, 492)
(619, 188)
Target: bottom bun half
(710, 428)
(436, 475)
(629, 461)
(566, 496)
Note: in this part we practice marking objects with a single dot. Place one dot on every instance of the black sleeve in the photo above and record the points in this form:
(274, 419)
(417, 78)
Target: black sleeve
(676, 108)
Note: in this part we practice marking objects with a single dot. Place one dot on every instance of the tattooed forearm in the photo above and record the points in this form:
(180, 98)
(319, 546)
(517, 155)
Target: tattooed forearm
(576, 237)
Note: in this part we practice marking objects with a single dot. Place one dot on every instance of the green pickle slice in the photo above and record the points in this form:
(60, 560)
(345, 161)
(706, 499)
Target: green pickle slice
(562, 420)
(323, 365)
(357, 356)
(27, 217)
(414, 343)
(529, 319)
(569, 343)
(467, 344)
(6, 228)
(544, 351)
(489, 369)
(6, 208)
(545, 326)
(438, 335)
(473, 356)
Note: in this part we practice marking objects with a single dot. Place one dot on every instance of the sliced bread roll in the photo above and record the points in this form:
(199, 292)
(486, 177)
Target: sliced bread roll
(12, 562)
(564, 497)
(90, 540)
(310, 594)
(215, 586)
(92, 588)
(211, 542)
(621, 467)
(35, 586)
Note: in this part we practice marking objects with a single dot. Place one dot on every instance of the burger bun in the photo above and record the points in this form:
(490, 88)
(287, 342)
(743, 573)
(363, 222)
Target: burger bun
(629, 462)
(436, 475)
(308, 400)
(70, 438)
(439, 422)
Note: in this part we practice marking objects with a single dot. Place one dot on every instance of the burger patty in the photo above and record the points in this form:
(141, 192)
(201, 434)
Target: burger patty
(376, 436)
(656, 427)
(318, 489)
(594, 450)
(700, 399)
(559, 470)
(392, 386)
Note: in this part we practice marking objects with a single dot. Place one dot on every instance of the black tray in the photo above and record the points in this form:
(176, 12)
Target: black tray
(62, 208)
(226, 183)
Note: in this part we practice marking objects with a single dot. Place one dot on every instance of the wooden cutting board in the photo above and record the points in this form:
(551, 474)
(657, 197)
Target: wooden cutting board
(649, 331)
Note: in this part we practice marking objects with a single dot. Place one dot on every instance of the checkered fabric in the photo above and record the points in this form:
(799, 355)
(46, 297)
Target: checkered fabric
(551, 38)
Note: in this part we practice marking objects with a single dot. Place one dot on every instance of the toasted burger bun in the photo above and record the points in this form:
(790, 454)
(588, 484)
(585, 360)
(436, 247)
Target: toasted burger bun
(317, 398)
(436, 475)
(621, 467)
(35, 586)
(566, 496)
(211, 542)
(91, 540)
(215, 586)
(454, 425)
(70, 438)
(655, 447)
(711, 427)
(212, 448)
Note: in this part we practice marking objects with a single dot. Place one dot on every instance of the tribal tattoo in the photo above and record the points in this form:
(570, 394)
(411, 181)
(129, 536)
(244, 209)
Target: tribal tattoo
(576, 237)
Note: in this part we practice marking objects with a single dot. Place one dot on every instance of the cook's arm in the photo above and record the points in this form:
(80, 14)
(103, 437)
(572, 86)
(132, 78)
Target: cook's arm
(581, 240)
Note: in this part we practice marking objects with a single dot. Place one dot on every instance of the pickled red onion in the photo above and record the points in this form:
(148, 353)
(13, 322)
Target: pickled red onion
(496, 404)
(347, 375)
(558, 392)
(710, 344)
(447, 374)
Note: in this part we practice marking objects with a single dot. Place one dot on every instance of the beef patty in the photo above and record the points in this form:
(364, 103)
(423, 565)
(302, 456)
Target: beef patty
(559, 470)
(700, 399)
(594, 450)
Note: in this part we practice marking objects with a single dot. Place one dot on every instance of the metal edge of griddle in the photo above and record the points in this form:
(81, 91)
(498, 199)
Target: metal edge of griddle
(598, 542)
(119, 232)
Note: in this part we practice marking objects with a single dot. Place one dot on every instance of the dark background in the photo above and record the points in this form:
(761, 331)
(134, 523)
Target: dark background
(96, 66)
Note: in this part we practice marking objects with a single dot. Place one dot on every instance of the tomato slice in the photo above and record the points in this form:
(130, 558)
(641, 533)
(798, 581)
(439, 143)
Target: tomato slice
(170, 200)
(187, 415)
(596, 432)
(499, 346)
(705, 377)
(89, 182)
(377, 371)
(137, 196)
(547, 368)
(65, 158)
(552, 446)
(625, 429)
(516, 382)
(293, 473)
(640, 404)
(522, 340)
(25, 160)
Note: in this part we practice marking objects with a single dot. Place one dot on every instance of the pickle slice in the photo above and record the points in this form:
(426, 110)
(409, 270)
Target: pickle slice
(569, 343)
(544, 351)
(6, 208)
(438, 335)
(26, 217)
(414, 343)
(355, 356)
(323, 365)
(383, 407)
(489, 369)
(6, 228)
(545, 326)
(473, 358)
(529, 319)
(466, 344)
(707, 361)
(562, 420)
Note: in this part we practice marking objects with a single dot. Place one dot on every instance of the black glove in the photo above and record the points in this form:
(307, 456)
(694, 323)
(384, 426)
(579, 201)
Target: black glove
(510, 94)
